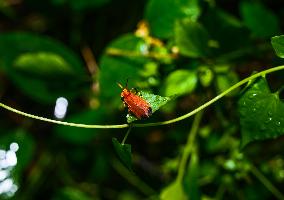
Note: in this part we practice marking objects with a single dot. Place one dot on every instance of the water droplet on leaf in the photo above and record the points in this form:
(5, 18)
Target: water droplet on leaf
(251, 96)
(268, 120)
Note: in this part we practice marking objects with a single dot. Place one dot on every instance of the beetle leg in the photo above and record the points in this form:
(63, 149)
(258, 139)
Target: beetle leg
(134, 90)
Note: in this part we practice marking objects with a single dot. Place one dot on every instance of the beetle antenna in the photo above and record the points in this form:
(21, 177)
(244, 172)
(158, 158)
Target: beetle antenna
(126, 85)
(119, 85)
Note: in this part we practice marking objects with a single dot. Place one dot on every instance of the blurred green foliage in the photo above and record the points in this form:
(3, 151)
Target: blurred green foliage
(39, 65)
(178, 54)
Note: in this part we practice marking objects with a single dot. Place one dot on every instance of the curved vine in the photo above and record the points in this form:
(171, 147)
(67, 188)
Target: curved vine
(208, 103)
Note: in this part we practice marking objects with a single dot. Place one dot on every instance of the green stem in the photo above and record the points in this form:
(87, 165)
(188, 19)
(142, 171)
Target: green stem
(126, 135)
(267, 183)
(262, 73)
(120, 52)
(189, 146)
(220, 192)
(132, 178)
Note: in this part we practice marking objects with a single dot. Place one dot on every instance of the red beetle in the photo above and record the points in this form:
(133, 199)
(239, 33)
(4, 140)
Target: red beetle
(135, 103)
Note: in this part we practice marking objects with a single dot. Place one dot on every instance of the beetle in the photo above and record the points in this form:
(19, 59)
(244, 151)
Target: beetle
(136, 105)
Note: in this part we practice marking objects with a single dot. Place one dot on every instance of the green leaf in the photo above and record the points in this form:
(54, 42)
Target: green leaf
(278, 45)
(162, 22)
(226, 30)
(180, 82)
(124, 153)
(42, 63)
(205, 75)
(191, 38)
(38, 66)
(155, 102)
(261, 21)
(261, 113)
(174, 191)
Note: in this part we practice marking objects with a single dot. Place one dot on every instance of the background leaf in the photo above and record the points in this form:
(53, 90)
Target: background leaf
(180, 82)
(50, 64)
(162, 22)
(278, 45)
(261, 113)
(205, 75)
(34, 55)
(191, 38)
(260, 20)
(230, 33)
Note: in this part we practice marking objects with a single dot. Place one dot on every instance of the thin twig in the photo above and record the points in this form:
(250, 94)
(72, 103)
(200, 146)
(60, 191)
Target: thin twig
(132, 178)
(90, 60)
(189, 146)
(126, 135)
(120, 52)
(266, 183)
(61, 122)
